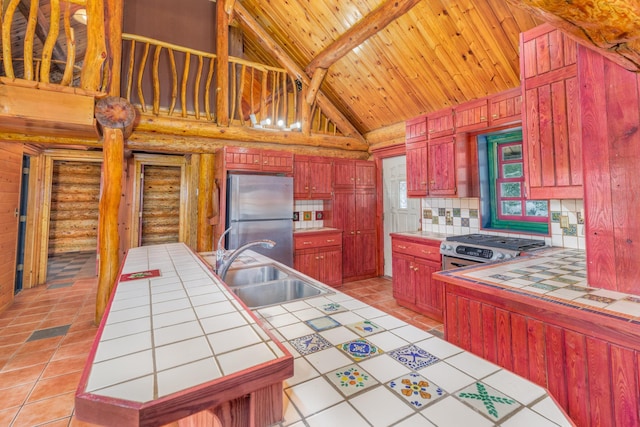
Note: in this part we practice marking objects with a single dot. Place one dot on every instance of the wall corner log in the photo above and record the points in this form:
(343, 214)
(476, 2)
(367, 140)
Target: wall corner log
(115, 116)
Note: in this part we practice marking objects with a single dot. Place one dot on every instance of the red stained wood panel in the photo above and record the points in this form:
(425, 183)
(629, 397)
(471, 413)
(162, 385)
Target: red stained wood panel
(577, 374)
(599, 380)
(475, 327)
(451, 315)
(556, 379)
(489, 333)
(519, 342)
(536, 352)
(503, 332)
(625, 381)
(464, 327)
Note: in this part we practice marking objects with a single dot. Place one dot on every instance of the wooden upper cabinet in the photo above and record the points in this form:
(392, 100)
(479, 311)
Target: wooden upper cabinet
(441, 169)
(472, 115)
(354, 174)
(440, 123)
(252, 159)
(312, 177)
(416, 130)
(505, 107)
(416, 155)
(552, 140)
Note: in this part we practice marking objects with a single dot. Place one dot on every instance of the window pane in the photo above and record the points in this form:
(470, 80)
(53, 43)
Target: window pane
(512, 170)
(402, 195)
(511, 152)
(510, 189)
(537, 208)
(512, 208)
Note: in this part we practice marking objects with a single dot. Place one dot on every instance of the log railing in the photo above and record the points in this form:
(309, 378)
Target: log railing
(175, 81)
(43, 47)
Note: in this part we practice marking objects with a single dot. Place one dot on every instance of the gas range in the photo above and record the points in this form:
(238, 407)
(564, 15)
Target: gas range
(486, 247)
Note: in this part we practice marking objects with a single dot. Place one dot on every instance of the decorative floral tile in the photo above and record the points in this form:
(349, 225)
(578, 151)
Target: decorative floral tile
(456, 212)
(555, 216)
(435, 220)
(359, 349)
(544, 286)
(296, 216)
(571, 230)
(306, 215)
(441, 212)
(580, 288)
(413, 357)
(598, 298)
(464, 222)
(488, 400)
(416, 389)
(332, 307)
(147, 274)
(632, 299)
(322, 323)
(351, 379)
(473, 213)
(310, 344)
(365, 327)
(319, 215)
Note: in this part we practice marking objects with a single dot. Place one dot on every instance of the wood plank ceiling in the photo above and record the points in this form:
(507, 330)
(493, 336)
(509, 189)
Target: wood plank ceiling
(441, 53)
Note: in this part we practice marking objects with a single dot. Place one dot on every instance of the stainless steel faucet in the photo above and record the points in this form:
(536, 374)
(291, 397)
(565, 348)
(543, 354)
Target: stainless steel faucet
(225, 258)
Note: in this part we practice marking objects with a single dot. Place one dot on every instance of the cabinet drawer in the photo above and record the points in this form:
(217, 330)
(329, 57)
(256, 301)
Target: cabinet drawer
(317, 241)
(426, 251)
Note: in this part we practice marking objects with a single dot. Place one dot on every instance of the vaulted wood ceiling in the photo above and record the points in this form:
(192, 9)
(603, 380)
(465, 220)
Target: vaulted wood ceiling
(438, 54)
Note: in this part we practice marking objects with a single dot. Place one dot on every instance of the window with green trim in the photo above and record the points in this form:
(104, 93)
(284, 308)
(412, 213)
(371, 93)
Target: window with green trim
(508, 207)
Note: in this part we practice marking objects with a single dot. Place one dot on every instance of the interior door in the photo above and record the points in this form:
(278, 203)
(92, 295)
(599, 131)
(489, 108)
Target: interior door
(401, 213)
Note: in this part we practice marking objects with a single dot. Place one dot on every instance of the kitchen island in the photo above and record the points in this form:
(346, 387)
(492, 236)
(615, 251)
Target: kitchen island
(354, 365)
(536, 315)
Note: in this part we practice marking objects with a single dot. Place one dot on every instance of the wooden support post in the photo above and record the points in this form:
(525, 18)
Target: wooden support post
(205, 203)
(222, 65)
(115, 116)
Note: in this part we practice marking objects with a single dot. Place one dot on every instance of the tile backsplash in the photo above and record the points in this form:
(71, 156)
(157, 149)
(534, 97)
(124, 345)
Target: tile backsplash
(309, 214)
(461, 216)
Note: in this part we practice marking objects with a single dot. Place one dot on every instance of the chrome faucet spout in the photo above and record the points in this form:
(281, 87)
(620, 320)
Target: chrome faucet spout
(224, 261)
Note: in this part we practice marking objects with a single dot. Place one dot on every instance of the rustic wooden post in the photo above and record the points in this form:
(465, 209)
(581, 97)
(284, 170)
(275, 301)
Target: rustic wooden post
(222, 61)
(113, 23)
(115, 117)
(205, 202)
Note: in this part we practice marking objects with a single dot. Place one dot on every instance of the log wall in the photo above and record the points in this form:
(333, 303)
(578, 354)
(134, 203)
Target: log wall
(75, 193)
(160, 205)
(10, 176)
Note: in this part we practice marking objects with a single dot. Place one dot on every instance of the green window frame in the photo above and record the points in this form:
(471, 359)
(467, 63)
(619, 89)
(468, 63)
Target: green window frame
(509, 209)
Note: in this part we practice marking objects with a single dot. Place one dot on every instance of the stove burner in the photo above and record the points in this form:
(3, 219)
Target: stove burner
(512, 243)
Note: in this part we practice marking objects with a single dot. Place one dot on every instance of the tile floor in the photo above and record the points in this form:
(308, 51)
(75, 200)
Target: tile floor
(46, 334)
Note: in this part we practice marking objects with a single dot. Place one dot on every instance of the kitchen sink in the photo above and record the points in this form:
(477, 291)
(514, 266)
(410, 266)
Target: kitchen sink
(254, 275)
(276, 292)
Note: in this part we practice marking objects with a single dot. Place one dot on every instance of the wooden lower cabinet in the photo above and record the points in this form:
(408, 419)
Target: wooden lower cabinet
(414, 260)
(588, 362)
(318, 254)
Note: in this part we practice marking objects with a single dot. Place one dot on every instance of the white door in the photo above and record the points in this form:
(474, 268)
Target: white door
(400, 212)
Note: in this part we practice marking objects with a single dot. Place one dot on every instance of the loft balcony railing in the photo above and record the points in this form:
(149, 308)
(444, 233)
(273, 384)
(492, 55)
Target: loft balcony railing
(57, 43)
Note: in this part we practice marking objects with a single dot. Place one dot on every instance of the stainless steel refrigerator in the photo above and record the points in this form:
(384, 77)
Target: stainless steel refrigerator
(261, 207)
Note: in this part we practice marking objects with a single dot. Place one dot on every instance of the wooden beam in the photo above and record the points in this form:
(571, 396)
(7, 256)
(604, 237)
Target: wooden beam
(96, 52)
(314, 87)
(611, 26)
(382, 16)
(205, 202)
(222, 65)
(262, 37)
(113, 24)
(174, 126)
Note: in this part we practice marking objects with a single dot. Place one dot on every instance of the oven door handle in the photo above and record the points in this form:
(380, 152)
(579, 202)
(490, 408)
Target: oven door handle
(455, 264)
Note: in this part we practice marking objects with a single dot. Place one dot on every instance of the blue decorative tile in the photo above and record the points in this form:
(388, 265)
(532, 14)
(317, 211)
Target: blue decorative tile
(310, 344)
(413, 357)
(464, 222)
(456, 212)
(359, 349)
(351, 379)
(473, 213)
(416, 389)
(488, 401)
(364, 328)
(332, 307)
(322, 323)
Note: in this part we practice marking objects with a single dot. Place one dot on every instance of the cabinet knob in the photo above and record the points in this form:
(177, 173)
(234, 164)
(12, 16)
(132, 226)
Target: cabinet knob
(256, 161)
(352, 232)
(483, 118)
(313, 188)
(306, 243)
(358, 231)
(331, 240)
(495, 116)
(402, 247)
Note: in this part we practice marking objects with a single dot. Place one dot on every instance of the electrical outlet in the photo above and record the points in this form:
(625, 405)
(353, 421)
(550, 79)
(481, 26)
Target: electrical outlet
(564, 221)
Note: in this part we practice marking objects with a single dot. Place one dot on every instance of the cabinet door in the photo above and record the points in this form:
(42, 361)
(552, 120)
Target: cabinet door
(344, 174)
(320, 178)
(277, 161)
(440, 123)
(552, 136)
(505, 107)
(305, 262)
(366, 253)
(429, 292)
(330, 267)
(301, 171)
(416, 130)
(402, 281)
(471, 115)
(365, 174)
(441, 166)
(237, 158)
(417, 169)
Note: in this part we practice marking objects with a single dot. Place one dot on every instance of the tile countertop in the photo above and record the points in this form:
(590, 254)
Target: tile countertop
(355, 365)
(556, 275)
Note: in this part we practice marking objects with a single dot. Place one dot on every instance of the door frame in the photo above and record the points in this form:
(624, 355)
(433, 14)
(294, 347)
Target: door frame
(378, 155)
(139, 161)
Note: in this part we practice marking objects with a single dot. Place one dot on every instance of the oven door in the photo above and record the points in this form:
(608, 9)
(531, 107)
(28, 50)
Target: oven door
(449, 262)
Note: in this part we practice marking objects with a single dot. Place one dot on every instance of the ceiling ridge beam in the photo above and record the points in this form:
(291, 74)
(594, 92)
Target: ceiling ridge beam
(360, 32)
(265, 39)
